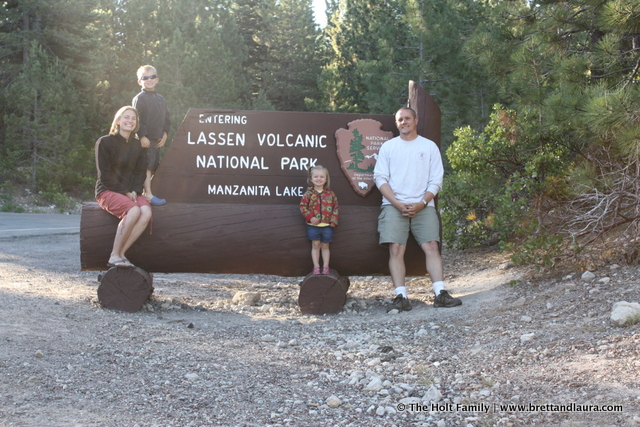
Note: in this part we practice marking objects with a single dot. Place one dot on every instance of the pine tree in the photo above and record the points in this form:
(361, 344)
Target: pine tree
(292, 68)
(206, 52)
(366, 70)
(253, 22)
(42, 126)
(355, 150)
(440, 64)
(567, 70)
(47, 77)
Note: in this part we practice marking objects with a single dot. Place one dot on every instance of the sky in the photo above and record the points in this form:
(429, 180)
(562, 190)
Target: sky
(318, 11)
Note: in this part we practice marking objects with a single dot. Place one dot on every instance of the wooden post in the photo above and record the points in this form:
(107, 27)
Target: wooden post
(125, 289)
(320, 294)
(429, 124)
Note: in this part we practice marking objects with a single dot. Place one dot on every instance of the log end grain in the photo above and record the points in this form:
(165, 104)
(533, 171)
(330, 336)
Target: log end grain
(125, 289)
(323, 294)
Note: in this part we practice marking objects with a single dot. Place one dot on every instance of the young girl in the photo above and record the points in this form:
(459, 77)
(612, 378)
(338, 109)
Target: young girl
(319, 206)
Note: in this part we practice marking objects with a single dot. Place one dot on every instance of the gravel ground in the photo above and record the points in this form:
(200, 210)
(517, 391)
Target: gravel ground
(192, 357)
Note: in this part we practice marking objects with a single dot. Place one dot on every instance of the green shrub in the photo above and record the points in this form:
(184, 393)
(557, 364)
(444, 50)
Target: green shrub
(6, 192)
(497, 174)
(11, 207)
(541, 250)
(53, 195)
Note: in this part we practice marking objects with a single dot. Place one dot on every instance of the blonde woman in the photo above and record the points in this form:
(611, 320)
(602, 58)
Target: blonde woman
(122, 164)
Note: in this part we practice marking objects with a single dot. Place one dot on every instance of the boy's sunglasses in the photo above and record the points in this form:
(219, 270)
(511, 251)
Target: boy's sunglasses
(149, 77)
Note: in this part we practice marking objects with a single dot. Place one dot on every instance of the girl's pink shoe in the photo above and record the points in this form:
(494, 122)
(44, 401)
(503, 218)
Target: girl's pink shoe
(316, 270)
(325, 270)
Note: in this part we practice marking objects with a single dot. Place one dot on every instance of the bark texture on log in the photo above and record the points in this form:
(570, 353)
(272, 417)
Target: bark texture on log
(238, 239)
(320, 294)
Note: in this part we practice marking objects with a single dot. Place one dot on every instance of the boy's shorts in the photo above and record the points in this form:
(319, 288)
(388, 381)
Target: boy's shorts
(394, 228)
(324, 234)
(153, 155)
(118, 204)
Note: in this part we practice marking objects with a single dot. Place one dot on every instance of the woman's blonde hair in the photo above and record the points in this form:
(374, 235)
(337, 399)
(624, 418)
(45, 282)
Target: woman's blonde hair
(312, 169)
(115, 126)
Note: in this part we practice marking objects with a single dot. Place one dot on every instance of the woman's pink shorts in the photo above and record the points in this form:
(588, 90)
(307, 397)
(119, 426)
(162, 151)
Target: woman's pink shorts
(118, 204)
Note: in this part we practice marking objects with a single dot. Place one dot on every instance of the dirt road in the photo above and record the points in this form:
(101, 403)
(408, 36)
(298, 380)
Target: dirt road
(194, 358)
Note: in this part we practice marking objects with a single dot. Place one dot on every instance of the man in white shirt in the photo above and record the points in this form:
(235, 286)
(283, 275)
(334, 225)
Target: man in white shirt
(409, 175)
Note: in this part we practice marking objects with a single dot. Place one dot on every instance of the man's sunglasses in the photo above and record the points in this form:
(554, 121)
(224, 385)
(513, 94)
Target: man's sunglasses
(149, 77)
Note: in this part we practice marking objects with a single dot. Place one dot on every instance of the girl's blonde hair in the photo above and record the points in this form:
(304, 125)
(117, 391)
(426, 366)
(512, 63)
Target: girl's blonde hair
(312, 169)
(115, 126)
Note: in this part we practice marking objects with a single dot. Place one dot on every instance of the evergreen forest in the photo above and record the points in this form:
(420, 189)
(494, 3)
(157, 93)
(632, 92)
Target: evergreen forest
(540, 100)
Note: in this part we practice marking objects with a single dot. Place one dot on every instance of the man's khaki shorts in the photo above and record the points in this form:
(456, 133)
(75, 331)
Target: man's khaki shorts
(394, 228)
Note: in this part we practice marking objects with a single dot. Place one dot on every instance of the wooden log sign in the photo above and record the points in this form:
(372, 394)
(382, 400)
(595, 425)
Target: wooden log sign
(233, 180)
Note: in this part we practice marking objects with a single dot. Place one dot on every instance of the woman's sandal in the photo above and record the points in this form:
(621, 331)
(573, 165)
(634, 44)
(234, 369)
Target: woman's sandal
(124, 263)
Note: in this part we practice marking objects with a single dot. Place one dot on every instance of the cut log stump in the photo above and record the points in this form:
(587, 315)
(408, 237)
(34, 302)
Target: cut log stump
(320, 294)
(125, 289)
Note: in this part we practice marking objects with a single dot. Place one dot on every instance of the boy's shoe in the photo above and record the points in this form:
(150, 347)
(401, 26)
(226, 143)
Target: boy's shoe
(446, 300)
(155, 201)
(325, 270)
(316, 270)
(400, 303)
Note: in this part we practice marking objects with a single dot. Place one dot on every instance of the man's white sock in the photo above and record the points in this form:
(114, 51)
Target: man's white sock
(437, 287)
(401, 290)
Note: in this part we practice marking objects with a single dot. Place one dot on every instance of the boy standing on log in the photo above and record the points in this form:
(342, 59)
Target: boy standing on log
(409, 174)
(155, 123)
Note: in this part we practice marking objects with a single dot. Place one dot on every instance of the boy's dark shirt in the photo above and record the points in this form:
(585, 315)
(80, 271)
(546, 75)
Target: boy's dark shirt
(154, 114)
(121, 165)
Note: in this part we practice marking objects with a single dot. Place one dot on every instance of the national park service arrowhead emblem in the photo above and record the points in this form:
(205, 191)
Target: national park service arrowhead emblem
(358, 148)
